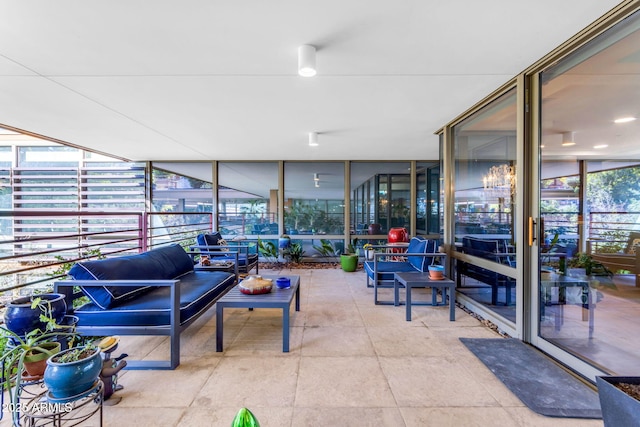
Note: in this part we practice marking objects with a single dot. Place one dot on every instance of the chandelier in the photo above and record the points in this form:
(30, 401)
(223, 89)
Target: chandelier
(500, 181)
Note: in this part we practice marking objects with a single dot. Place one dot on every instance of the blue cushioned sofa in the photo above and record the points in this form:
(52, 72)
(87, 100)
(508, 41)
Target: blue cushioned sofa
(420, 254)
(152, 293)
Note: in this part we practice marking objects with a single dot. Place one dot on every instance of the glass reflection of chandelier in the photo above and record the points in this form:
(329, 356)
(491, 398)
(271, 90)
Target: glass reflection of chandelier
(500, 181)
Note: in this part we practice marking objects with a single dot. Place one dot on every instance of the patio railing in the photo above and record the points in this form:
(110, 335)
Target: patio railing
(36, 247)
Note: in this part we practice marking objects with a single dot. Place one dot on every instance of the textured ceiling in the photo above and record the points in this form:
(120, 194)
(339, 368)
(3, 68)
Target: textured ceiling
(201, 79)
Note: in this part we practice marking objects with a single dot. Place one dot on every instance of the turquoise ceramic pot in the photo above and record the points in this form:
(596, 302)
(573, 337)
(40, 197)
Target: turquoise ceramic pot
(65, 380)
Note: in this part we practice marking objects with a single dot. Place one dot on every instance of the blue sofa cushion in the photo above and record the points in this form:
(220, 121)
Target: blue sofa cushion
(421, 246)
(168, 262)
(242, 258)
(387, 268)
(151, 309)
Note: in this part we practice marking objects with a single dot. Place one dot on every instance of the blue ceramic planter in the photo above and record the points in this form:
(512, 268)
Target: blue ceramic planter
(65, 380)
(284, 242)
(618, 408)
(21, 319)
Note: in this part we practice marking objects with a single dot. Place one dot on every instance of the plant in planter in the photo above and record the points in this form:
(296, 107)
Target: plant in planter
(349, 259)
(24, 356)
(326, 249)
(619, 400)
(268, 250)
(368, 251)
(29, 313)
(73, 371)
(296, 253)
(583, 260)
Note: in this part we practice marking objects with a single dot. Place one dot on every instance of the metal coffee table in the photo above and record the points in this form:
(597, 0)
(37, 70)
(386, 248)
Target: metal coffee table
(422, 280)
(277, 298)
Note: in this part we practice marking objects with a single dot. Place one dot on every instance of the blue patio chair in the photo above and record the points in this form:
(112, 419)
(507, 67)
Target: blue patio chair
(213, 245)
(419, 255)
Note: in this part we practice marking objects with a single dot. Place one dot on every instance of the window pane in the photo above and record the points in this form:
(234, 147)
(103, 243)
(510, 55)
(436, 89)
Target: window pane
(381, 191)
(485, 185)
(590, 202)
(314, 198)
(248, 198)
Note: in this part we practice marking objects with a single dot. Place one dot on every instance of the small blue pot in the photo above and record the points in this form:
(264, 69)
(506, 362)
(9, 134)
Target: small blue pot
(65, 380)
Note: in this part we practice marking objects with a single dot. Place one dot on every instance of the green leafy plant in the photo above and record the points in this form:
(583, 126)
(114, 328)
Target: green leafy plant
(351, 247)
(76, 354)
(584, 260)
(268, 250)
(296, 253)
(327, 250)
(17, 348)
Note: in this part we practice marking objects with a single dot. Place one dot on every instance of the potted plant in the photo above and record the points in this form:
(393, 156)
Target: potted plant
(23, 315)
(619, 400)
(368, 251)
(73, 371)
(24, 356)
(349, 259)
(591, 267)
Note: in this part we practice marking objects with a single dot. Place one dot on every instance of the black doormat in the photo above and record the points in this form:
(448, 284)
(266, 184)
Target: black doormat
(538, 381)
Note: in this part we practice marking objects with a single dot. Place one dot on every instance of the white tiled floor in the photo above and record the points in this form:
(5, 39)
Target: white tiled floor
(351, 363)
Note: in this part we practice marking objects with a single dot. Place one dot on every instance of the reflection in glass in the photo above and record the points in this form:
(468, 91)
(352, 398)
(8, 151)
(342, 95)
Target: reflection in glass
(589, 202)
(484, 203)
(248, 198)
(428, 198)
(314, 198)
(381, 196)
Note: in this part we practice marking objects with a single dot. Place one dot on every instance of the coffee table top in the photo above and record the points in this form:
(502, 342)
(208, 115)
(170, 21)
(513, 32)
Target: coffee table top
(276, 295)
(410, 277)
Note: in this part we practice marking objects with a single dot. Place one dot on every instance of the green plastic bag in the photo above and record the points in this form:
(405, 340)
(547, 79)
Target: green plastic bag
(244, 418)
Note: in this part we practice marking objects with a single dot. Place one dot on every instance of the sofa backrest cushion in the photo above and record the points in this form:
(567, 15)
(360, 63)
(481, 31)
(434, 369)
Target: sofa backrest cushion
(168, 262)
(492, 249)
(420, 245)
(211, 239)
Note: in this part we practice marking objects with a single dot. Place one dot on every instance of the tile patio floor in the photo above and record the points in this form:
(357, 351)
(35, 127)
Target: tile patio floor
(351, 363)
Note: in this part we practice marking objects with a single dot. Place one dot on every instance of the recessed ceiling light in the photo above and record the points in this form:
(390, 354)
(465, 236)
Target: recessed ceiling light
(624, 120)
(597, 147)
(568, 143)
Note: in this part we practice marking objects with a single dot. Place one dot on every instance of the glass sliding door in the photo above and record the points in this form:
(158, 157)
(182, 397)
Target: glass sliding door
(484, 206)
(589, 203)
